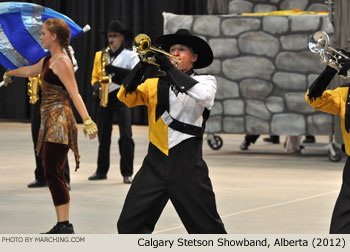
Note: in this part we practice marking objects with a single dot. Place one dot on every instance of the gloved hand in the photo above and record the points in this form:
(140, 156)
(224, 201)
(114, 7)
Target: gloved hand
(345, 52)
(118, 74)
(163, 61)
(7, 79)
(90, 128)
(95, 89)
(345, 63)
(147, 57)
(110, 69)
(134, 78)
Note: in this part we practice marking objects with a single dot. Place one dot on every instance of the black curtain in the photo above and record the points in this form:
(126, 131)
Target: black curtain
(140, 16)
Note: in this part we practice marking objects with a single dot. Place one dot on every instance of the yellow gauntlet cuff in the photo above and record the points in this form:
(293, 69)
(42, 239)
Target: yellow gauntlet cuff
(87, 118)
(90, 127)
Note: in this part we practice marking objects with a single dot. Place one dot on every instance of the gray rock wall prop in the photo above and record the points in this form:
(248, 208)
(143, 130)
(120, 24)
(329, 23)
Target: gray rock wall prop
(248, 6)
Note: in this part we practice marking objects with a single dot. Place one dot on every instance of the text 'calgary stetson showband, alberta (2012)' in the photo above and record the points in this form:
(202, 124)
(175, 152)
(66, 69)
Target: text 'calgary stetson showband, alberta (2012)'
(242, 242)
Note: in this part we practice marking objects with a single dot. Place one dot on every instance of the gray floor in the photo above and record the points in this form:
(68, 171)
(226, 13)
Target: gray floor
(260, 191)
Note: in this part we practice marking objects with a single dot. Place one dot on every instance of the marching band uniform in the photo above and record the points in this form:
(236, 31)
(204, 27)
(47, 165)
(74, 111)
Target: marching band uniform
(336, 101)
(178, 107)
(120, 63)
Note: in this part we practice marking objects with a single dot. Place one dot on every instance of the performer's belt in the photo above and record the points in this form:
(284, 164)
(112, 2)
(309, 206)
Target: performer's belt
(181, 126)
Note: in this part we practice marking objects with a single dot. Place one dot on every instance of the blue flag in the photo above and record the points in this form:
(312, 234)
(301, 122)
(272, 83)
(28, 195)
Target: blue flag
(20, 28)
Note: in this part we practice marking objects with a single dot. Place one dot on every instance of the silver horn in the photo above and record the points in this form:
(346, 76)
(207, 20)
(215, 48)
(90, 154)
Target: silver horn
(319, 43)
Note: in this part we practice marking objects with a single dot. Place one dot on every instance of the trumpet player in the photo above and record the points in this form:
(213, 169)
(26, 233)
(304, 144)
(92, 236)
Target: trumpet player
(336, 101)
(120, 62)
(179, 102)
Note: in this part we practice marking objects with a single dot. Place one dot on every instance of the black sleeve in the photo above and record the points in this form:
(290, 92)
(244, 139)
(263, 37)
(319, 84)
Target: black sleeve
(182, 80)
(118, 74)
(320, 84)
(134, 78)
(95, 89)
(345, 66)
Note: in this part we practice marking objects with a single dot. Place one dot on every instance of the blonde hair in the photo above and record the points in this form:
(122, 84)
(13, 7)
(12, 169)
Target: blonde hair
(62, 31)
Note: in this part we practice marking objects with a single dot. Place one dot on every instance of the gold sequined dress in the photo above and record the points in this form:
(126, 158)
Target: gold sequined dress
(58, 124)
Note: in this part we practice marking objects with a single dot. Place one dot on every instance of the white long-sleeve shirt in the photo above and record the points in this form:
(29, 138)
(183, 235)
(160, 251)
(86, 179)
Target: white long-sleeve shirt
(188, 108)
(126, 59)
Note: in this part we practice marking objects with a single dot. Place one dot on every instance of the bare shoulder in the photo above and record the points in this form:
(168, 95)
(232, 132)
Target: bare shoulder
(62, 66)
(63, 63)
(64, 60)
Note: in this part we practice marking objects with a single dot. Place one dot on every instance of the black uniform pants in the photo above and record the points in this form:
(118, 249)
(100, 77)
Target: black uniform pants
(181, 177)
(125, 142)
(340, 223)
(35, 125)
(251, 138)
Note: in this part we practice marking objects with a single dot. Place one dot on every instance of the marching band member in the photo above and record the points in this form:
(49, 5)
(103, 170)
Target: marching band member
(179, 102)
(336, 101)
(120, 62)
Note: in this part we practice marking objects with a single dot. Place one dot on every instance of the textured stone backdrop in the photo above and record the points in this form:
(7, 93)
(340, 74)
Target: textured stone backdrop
(240, 6)
(263, 67)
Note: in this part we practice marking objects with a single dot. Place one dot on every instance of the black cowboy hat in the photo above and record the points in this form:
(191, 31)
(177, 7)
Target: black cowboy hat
(198, 45)
(117, 26)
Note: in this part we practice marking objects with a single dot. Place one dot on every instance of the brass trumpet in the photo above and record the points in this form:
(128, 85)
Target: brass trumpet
(142, 45)
(319, 43)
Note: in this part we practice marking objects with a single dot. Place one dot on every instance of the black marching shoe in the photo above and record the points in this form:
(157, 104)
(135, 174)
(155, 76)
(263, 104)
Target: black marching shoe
(97, 176)
(127, 179)
(244, 145)
(309, 139)
(60, 228)
(272, 139)
(37, 183)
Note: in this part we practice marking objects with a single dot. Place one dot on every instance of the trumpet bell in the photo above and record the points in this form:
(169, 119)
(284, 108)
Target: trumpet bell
(318, 42)
(142, 46)
(142, 43)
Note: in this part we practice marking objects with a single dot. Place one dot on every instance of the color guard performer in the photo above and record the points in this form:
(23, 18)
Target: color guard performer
(58, 131)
